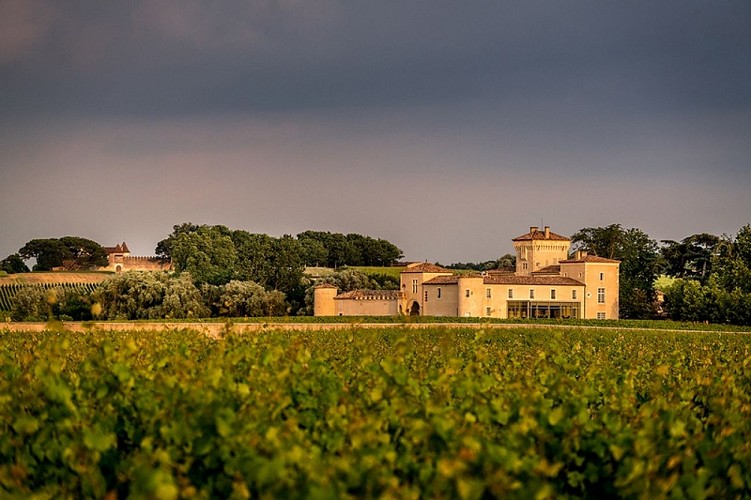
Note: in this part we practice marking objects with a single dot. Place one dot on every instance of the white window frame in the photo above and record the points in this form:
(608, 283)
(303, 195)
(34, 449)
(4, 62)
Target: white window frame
(414, 286)
(573, 294)
(601, 315)
(600, 295)
(488, 293)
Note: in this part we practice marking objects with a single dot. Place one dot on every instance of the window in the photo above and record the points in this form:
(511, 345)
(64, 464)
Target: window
(552, 294)
(466, 292)
(531, 293)
(600, 315)
(510, 293)
(602, 276)
(600, 295)
(573, 294)
(487, 311)
(487, 293)
(439, 292)
(414, 286)
(426, 295)
(524, 265)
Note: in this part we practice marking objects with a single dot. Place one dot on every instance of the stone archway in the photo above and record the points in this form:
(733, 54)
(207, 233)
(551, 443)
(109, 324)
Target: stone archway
(414, 309)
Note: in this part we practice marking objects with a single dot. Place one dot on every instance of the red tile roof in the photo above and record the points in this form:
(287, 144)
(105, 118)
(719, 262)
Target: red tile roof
(540, 235)
(592, 259)
(509, 279)
(554, 269)
(425, 267)
(369, 295)
(530, 280)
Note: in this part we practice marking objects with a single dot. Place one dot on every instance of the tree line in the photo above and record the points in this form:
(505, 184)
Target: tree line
(219, 270)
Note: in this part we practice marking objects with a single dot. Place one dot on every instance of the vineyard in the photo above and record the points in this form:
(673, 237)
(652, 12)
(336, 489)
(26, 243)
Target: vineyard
(8, 291)
(388, 412)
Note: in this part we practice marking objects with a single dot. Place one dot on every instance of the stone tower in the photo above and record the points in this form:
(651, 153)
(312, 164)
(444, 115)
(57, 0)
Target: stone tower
(538, 249)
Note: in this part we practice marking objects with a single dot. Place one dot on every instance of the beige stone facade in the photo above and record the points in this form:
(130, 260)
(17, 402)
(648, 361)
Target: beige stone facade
(120, 260)
(546, 284)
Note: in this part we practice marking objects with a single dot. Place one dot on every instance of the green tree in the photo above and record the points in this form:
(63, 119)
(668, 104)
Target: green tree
(150, 295)
(733, 261)
(691, 257)
(164, 247)
(48, 252)
(254, 257)
(13, 264)
(70, 252)
(314, 252)
(639, 264)
(208, 254)
(286, 264)
(83, 253)
(31, 304)
(248, 299)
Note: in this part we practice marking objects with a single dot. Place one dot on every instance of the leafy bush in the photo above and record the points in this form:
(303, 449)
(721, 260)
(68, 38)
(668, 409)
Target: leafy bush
(449, 413)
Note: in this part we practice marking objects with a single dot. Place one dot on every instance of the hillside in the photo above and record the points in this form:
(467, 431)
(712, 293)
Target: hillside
(43, 278)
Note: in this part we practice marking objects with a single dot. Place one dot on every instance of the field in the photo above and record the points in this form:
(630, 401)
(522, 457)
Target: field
(56, 278)
(437, 412)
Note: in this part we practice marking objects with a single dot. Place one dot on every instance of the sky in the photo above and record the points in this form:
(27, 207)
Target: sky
(447, 128)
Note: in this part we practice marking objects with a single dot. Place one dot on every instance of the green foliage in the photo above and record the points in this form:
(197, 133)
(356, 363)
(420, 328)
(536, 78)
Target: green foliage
(438, 413)
(506, 262)
(149, 295)
(346, 250)
(725, 296)
(208, 254)
(247, 299)
(70, 252)
(31, 302)
(13, 264)
(691, 258)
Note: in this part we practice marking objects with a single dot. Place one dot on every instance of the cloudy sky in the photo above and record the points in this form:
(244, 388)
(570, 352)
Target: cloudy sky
(445, 127)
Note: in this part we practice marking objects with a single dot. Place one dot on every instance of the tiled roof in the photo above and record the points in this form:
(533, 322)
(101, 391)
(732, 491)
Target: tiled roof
(119, 248)
(369, 295)
(509, 279)
(530, 280)
(590, 258)
(425, 267)
(443, 280)
(540, 235)
(554, 269)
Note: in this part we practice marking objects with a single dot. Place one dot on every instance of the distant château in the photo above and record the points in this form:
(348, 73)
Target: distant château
(546, 284)
(120, 260)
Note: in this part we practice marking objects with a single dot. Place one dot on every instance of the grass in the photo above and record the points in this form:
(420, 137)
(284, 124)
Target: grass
(43, 277)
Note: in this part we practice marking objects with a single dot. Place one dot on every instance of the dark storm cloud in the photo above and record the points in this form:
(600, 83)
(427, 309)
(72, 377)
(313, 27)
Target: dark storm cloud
(174, 58)
(432, 124)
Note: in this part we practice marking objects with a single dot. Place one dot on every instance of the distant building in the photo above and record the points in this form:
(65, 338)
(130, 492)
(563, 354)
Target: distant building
(546, 284)
(120, 259)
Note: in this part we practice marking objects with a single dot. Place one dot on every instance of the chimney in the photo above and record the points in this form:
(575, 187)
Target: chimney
(580, 254)
(532, 229)
(547, 232)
